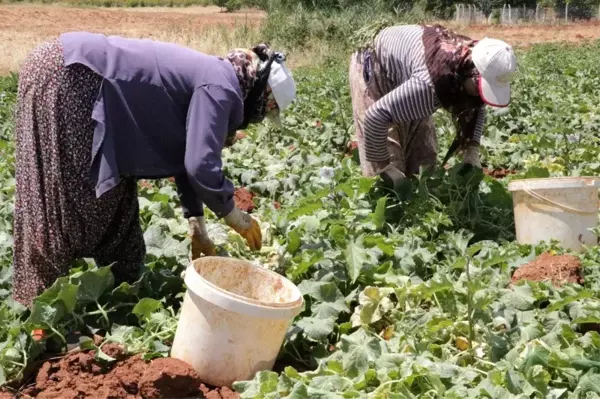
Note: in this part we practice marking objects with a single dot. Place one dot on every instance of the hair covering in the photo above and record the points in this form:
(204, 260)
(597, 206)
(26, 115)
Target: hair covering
(448, 59)
(253, 68)
(245, 64)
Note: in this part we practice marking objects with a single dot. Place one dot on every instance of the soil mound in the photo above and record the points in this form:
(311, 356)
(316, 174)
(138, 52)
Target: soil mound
(80, 376)
(498, 173)
(559, 269)
(243, 199)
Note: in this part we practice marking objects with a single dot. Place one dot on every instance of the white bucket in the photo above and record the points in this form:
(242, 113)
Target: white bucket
(561, 208)
(233, 319)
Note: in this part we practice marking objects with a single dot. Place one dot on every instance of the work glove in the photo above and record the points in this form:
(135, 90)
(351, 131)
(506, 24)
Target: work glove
(472, 155)
(246, 226)
(392, 177)
(201, 243)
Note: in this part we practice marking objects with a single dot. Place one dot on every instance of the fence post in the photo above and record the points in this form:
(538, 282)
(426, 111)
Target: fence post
(509, 14)
(567, 12)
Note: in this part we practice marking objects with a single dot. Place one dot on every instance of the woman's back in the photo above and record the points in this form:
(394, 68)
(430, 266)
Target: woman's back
(402, 54)
(142, 107)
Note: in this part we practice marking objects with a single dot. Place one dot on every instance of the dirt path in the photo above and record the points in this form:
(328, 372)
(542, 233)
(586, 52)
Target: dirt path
(23, 26)
(524, 35)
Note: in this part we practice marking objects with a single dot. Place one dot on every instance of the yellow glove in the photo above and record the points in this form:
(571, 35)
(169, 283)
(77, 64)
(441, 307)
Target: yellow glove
(201, 243)
(246, 226)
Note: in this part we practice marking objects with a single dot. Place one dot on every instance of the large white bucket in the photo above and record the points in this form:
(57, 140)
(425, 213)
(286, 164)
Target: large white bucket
(233, 319)
(562, 208)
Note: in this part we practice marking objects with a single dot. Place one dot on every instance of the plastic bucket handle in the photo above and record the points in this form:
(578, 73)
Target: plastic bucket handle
(565, 207)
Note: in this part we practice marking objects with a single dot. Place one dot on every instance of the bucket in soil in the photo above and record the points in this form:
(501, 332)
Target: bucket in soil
(233, 319)
(562, 208)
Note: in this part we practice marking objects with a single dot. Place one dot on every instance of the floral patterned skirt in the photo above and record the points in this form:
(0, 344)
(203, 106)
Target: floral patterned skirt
(57, 217)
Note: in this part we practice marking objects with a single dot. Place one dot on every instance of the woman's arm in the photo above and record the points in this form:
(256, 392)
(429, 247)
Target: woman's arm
(472, 156)
(413, 100)
(479, 125)
(190, 202)
(209, 120)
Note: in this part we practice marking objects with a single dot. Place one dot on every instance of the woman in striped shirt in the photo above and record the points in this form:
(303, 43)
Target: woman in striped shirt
(405, 76)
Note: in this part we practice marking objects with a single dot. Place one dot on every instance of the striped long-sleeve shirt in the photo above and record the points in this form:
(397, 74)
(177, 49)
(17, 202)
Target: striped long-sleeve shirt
(401, 52)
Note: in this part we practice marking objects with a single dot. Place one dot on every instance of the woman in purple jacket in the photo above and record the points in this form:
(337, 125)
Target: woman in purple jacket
(96, 113)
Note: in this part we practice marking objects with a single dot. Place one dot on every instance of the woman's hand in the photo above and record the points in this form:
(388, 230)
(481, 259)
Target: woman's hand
(246, 226)
(472, 155)
(392, 177)
(201, 242)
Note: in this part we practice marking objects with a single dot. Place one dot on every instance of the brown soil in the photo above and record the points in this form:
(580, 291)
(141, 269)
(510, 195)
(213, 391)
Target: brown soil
(498, 173)
(223, 393)
(524, 35)
(79, 376)
(556, 268)
(243, 200)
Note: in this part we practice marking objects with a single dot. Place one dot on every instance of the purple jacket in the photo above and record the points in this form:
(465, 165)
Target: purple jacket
(163, 110)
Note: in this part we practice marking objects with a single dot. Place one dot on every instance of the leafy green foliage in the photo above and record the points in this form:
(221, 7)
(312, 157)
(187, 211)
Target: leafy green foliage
(406, 293)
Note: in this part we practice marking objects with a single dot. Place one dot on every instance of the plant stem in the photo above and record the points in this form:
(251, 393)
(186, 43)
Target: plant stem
(104, 314)
(470, 307)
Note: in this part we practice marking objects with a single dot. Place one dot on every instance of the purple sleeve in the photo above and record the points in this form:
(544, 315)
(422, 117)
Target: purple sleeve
(211, 113)
(190, 202)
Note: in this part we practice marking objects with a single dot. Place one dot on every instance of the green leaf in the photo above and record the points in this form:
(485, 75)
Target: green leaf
(93, 284)
(536, 172)
(379, 213)
(264, 382)
(329, 301)
(294, 241)
(44, 315)
(104, 357)
(356, 257)
(590, 382)
(86, 343)
(374, 304)
(535, 354)
(316, 328)
(359, 351)
(145, 307)
(299, 392)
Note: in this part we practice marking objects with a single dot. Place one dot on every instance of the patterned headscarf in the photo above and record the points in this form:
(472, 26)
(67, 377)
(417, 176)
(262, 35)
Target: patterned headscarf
(246, 63)
(448, 59)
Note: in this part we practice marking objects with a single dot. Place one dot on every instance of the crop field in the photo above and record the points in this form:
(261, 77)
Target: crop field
(422, 293)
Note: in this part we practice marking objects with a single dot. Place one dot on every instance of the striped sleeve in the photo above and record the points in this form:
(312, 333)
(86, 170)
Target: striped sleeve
(413, 100)
(479, 125)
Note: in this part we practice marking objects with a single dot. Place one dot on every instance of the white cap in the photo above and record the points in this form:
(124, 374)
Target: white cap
(496, 62)
(282, 84)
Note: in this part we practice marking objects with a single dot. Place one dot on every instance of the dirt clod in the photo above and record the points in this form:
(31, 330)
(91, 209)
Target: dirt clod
(223, 393)
(170, 378)
(559, 269)
(243, 200)
(79, 376)
(498, 173)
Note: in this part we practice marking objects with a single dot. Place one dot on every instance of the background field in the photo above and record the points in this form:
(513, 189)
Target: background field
(408, 295)
(311, 35)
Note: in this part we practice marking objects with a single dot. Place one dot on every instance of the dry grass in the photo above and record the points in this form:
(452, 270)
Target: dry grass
(23, 26)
